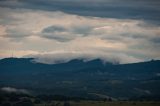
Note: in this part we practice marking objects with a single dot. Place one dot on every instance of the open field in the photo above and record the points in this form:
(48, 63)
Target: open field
(99, 103)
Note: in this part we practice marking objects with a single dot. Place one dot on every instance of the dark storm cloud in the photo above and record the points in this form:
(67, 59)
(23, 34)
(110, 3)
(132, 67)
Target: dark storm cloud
(58, 33)
(63, 34)
(84, 30)
(155, 40)
(52, 29)
(147, 10)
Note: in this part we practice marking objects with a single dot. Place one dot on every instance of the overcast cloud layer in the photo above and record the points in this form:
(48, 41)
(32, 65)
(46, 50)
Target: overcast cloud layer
(60, 30)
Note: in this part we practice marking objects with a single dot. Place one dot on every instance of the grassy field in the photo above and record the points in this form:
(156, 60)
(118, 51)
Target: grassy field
(99, 103)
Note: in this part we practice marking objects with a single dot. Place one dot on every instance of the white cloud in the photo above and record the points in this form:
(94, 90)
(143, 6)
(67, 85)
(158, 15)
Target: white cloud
(82, 37)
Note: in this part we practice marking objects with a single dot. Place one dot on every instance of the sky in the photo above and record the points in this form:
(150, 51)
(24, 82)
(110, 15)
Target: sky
(124, 31)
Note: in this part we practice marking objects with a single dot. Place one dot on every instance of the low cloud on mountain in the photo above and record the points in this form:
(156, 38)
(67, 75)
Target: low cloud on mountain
(14, 90)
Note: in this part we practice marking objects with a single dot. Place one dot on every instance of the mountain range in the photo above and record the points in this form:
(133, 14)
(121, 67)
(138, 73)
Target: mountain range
(89, 79)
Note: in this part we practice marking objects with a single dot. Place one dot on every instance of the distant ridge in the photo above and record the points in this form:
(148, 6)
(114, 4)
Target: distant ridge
(82, 77)
(74, 60)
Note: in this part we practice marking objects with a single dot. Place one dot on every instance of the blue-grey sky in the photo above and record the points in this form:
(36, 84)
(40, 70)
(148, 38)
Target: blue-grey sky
(51, 30)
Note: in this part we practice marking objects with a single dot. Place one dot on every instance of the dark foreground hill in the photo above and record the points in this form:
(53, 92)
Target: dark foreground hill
(91, 79)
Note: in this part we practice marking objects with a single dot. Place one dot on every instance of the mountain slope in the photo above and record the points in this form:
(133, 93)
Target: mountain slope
(79, 78)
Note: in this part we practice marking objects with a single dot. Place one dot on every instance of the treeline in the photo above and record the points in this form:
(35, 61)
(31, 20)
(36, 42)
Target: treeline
(15, 99)
(58, 98)
(19, 99)
(145, 98)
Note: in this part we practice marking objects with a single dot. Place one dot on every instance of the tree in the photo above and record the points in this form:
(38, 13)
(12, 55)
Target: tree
(66, 104)
(24, 102)
(6, 104)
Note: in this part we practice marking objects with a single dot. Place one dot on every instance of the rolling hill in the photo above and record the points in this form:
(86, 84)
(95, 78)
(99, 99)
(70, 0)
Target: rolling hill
(90, 79)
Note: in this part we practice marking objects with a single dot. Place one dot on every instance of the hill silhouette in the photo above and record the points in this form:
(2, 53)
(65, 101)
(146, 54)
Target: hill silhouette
(83, 79)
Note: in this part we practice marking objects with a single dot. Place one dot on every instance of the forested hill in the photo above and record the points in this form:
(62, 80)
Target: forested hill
(86, 79)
